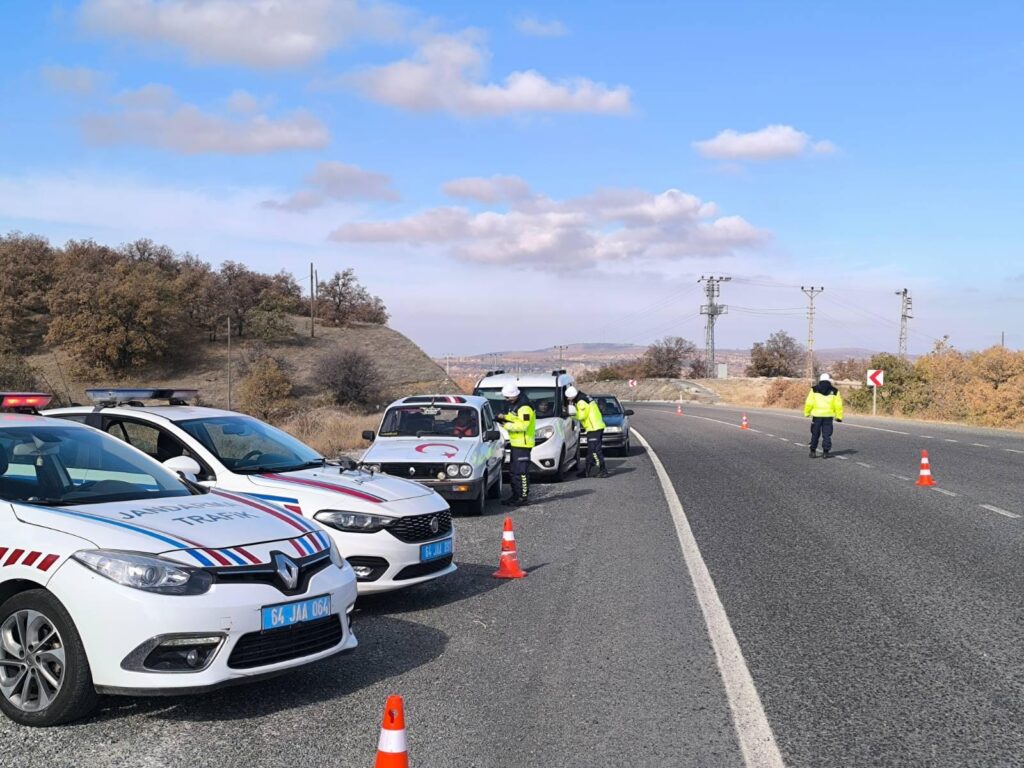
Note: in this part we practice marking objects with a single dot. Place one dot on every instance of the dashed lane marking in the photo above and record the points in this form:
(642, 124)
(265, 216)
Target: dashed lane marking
(1012, 450)
(999, 511)
(753, 732)
(862, 464)
(943, 490)
(950, 440)
(927, 437)
(901, 477)
(979, 445)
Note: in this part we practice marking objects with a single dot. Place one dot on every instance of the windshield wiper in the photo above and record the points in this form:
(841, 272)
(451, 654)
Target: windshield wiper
(305, 465)
(45, 502)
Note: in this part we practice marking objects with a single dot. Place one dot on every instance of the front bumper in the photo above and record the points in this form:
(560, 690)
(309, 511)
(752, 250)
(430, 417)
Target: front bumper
(393, 563)
(543, 458)
(611, 440)
(456, 490)
(113, 621)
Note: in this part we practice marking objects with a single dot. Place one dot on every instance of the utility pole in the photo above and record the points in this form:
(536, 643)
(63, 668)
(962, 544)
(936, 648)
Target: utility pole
(312, 301)
(811, 292)
(229, 362)
(447, 363)
(561, 349)
(712, 309)
(906, 313)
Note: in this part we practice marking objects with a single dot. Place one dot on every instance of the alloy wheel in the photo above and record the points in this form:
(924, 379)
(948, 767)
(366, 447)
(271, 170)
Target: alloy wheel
(32, 662)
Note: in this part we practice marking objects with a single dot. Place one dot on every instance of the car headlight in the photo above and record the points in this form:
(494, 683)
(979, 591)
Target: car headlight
(146, 572)
(353, 522)
(613, 430)
(452, 470)
(336, 559)
(371, 467)
(466, 470)
(545, 433)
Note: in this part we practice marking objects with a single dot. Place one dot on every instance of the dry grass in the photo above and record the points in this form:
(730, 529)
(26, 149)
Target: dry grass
(330, 431)
(786, 393)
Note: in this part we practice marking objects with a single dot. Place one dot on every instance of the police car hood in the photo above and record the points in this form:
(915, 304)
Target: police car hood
(419, 450)
(357, 486)
(550, 421)
(209, 521)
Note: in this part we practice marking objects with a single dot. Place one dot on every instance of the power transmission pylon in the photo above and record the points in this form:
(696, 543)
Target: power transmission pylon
(561, 349)
(811, 292)
(712, 309)
(906, 313)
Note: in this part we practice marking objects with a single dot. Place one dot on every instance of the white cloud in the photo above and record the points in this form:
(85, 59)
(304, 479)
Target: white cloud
(496, 189)
(534, 27)
(336, 181)
(153, 116)
(80, 81)
(446, 74)
(770, 143)
(607, 227)
(264, 34)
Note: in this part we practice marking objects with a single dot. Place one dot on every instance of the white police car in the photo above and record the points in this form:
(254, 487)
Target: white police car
(394, 533)
(557, 447)
(450, 443)
(118, 577)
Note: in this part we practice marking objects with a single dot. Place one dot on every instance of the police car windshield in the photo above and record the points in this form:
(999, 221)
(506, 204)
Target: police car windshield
(66, 465)
(246, 445)
(608, 406)
(433, 420)
(543, 400)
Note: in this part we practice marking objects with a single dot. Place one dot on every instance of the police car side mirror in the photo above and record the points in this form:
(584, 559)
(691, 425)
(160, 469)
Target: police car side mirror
(185, 466)
(368, 435)
(491, 435)
(629, 412)
(572, 410)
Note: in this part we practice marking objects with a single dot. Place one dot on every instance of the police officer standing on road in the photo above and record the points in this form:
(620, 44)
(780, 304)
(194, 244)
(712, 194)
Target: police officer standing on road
(520, 422)
(823, 404)
(592, 422)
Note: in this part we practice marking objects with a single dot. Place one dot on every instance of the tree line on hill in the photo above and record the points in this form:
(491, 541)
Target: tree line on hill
(116, 309)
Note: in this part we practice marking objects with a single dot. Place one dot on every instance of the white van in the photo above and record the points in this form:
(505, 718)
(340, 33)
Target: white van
(557, 449)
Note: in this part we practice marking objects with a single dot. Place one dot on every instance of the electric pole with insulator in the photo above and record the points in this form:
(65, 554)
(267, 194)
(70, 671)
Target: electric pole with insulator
(712, 309)
(906, 313)
(811, 292)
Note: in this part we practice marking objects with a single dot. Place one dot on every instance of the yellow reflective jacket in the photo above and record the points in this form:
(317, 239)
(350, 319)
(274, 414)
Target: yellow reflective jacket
(521, 425)
(589, 416)
(823, 405)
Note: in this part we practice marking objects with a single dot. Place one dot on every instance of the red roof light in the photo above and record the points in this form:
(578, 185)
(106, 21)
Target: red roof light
(25, 400)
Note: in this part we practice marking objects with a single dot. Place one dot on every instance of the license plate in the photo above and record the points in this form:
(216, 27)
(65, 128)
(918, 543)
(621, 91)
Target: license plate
(435, 549)
(289, 614)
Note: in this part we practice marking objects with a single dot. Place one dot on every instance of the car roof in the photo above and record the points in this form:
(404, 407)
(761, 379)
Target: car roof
(474, 400)
(526, 380)
(169, 412)
(33, 420)
(610, 397)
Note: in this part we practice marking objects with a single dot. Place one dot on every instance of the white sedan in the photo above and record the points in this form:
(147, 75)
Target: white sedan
(393, 532)
(118, 577)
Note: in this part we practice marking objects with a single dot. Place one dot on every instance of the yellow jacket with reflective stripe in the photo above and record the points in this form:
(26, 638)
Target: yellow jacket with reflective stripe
(823, 406)
(589, 416)
(521, 425)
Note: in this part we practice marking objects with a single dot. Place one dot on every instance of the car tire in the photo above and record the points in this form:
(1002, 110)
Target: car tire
(559, 475)
(74, 697)
(476, 507)
(497, 487)
(626, 449)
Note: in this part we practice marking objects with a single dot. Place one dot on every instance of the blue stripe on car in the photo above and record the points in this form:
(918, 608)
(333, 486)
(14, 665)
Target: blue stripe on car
(273, 498)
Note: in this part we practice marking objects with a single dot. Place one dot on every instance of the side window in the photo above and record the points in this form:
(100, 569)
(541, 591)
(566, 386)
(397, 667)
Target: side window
(488, 418)
(148, 439)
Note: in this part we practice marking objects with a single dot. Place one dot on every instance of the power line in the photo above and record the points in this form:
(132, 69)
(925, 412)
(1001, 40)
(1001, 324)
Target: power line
(811, 292)
(906, 308)
(712, 309)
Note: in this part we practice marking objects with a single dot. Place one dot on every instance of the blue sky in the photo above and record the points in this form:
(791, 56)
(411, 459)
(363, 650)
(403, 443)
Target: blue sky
(516, 176)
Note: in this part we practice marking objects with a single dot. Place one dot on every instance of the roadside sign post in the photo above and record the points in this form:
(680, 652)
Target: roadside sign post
(876, 377)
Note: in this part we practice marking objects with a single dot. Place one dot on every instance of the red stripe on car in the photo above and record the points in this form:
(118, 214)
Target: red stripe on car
(268, 510)
(298, 547)
(14, 557)
(217, 556)
(47, 562)
(326, 487)
(31, 557)
(293, 508)
(248, 555)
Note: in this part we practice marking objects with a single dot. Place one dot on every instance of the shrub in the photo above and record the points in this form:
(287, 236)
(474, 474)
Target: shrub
(15, 372)
(330, 430)
(265, 390)
(350, 376)
(786, 393)
(780, 355)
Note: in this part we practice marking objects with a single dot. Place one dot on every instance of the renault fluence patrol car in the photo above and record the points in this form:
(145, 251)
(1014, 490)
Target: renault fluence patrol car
(119, 577)
(450, 443)
(558, 433)
(393, 532)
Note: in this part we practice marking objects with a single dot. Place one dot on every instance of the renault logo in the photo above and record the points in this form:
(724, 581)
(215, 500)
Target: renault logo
(412, 471)
(286, 569)
(435, 525)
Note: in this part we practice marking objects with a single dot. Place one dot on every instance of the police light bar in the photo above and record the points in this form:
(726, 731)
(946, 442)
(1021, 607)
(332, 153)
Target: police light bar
(24, 400)
(125, 394)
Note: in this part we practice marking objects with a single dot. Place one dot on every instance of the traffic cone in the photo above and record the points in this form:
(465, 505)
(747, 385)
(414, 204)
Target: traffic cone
(508, 566)
(925, 478)
(679, 410)
(743, 424)
(391, 749)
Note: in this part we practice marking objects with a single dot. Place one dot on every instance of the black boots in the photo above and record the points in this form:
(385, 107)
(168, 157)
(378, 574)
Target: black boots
(813, 454)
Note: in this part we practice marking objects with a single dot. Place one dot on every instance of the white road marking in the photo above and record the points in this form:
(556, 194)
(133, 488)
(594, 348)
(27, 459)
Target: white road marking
(862, 464)
(756, 740)
(999, 511)
(784, 439)
(903, 477)
(1012, 450)
(943, 490)
(843, 458)
(769, 434)
(928, 437)
(950, 440)
(979, 445)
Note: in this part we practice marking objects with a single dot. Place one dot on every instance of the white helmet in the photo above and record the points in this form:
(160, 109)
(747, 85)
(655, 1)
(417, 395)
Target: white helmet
(824, 377)
(571, 392)
(510, 391)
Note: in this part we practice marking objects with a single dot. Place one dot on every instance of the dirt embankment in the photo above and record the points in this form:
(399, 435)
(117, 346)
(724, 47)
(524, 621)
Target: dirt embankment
(747, 392)
(652, 390)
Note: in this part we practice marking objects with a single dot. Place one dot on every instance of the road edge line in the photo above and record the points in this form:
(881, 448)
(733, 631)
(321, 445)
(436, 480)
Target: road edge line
(754, 733)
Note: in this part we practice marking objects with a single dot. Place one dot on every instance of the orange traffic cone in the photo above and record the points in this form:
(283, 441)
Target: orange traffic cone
(743, 424)
(508, 566)
(391, 749)
(925, 478)
(679, 410)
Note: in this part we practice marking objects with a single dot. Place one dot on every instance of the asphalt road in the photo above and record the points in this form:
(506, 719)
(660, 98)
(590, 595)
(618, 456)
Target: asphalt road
(881, 622)
(600, 657)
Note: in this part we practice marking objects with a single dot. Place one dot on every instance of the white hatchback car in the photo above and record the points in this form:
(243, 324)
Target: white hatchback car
(118, 577)
(393, 532)
(450, 443)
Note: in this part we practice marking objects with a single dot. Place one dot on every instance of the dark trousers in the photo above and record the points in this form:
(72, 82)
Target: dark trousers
(821, 426)
(519, 469)
(595, 450)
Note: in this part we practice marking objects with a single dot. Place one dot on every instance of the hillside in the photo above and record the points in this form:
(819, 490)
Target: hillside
(404, 367)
